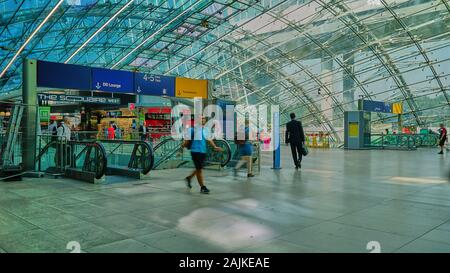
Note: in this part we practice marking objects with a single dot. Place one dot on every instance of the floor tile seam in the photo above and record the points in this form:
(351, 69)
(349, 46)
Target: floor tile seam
(132, 238)
(358, 210)
(432, 229)
(74, 213)
(26, 221)
(320, 250)
(150, 245)
(279, 239)
(419, 237)
(377, 230)
(421, 202)
(351, 225)
(441, 199)
(61, 237)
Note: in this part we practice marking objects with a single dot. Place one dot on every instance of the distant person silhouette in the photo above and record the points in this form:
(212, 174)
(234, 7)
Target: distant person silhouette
(296, 137)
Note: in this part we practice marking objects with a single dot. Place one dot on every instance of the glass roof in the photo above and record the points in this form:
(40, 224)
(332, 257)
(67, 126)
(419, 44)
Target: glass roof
(314, 58)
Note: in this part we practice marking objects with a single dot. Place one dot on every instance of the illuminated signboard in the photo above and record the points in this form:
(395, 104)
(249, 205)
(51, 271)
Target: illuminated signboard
(190, 88)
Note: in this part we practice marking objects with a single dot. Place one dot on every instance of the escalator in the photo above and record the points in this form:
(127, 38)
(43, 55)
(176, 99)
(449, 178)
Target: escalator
(134, 159)
(82, 160)
(102, 160)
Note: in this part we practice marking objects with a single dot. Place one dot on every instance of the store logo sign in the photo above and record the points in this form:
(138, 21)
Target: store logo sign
(78, 99)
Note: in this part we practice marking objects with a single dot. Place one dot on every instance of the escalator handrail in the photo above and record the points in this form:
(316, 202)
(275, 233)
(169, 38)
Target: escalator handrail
(150, 156)
(136, 143)
(170, 154)
(227, 151)
(95, 144)
(164, 141)
(54, 139)
(102, 150)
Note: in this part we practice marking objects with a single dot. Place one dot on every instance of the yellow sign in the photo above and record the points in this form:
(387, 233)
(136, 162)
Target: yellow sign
(190, 88)
(397, 108)
(353, 129)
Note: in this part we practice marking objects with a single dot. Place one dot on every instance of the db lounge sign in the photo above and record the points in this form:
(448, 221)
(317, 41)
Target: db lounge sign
(78, 99)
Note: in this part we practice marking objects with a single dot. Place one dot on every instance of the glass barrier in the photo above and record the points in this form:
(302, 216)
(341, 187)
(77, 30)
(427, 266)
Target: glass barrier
(169, 154)
(403, 141)
(16, 155)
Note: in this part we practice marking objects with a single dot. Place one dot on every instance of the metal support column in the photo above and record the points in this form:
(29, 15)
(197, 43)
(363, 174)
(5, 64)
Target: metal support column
(29, 96)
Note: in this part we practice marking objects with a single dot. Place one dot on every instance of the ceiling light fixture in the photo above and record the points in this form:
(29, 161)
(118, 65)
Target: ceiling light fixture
(99, 30)
(156, 33)
(31, 37)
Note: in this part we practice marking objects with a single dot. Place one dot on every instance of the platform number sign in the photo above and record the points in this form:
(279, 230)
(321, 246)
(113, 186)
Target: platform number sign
(154, 85)
(152, 78)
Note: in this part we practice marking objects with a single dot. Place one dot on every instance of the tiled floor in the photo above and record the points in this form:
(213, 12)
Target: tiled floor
(338, 202)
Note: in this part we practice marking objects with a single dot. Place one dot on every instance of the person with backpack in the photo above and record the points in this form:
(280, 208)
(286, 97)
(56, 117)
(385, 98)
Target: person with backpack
(197, 144)
(245, 151)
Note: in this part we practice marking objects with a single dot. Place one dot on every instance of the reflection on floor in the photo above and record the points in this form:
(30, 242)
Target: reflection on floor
(338, 202)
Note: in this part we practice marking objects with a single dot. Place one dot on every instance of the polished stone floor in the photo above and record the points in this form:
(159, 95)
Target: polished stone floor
(338, 202)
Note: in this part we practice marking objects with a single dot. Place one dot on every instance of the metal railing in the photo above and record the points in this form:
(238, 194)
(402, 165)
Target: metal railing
(102, 135)
(56, 155)
(397, 141)
(128, 155)
(16, 156)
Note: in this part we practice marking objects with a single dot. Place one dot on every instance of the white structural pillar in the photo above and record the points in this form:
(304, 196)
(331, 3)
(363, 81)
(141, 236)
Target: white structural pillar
(349, 83)
(327, 80)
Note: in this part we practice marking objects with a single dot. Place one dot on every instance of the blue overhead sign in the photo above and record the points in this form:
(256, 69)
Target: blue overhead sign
(115, 81)
(65, 76)
(376, 106)
(155, 85)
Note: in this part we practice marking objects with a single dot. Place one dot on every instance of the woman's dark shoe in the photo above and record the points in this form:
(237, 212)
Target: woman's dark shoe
(204, 190)
(188, 182)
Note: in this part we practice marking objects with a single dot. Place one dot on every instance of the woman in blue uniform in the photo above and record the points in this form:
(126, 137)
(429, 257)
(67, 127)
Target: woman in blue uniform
(245, 151)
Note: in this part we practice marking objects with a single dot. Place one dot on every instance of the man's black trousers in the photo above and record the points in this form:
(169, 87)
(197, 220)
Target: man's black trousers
(296, 149)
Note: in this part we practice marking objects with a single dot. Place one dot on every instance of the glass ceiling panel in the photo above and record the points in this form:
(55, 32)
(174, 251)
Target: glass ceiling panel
(315, 58)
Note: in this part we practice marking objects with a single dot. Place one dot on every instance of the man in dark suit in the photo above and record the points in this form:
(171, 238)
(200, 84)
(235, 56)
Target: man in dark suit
(296, 137)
